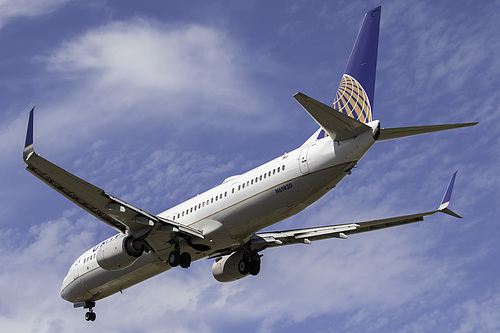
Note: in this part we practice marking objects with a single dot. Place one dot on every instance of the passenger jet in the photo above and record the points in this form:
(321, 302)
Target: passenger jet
(225, 222)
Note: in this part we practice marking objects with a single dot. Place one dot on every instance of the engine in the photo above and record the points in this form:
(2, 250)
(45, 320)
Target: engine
(235, 266)
(119, 252)
(225, 269)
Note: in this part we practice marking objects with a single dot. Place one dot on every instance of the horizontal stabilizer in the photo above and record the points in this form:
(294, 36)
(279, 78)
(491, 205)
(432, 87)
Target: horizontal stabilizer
(401, 132)
(338, 125)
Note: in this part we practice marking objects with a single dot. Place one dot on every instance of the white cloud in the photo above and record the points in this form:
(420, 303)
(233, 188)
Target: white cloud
(480, 314)
(34, 264)
(147, 69)
(146, 78)
(11, 9)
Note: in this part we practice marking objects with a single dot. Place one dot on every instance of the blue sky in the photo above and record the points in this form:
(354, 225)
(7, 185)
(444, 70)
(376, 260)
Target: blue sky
(156, 101)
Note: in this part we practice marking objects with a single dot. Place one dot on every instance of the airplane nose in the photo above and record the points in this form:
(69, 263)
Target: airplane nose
(71, 287)
(64, 292)
(65, 289)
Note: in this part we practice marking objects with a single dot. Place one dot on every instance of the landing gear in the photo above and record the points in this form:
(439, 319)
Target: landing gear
(176, 258)
(254, 267)
(185, 260)
(244, 266)
(90, 315)
(249, 265)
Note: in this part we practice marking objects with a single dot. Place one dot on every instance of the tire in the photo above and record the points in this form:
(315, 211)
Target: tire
(185, 260)
(243, 266)
(254, 267)
(174, 258)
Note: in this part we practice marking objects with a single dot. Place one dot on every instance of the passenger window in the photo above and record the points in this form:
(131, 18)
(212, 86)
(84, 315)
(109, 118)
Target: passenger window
(265, 175)
(260, 178)
(232, 191)
(283, 168)
(274, 171)
(251, 182)
(243, 185)
(269, 174)
(182, 213)
(248, 183)
(212, 201)
(216, 198)
(225, 194)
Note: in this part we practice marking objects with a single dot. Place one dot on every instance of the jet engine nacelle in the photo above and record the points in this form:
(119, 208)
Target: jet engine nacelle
(225, 269)
(119, 253)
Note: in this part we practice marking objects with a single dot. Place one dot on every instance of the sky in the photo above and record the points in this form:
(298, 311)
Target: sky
(156, 101)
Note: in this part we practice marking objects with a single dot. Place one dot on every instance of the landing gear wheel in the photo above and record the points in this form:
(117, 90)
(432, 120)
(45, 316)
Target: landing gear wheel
(174, 258)
(185, 260)
(254, 268)
(243, 266)
(90, 316)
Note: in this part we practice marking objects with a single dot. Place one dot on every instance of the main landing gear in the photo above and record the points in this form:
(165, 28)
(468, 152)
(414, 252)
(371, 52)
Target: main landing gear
(250, 264)
(176, 258)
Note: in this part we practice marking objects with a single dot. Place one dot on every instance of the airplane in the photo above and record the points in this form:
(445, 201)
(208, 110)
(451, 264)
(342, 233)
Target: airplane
(225, 222)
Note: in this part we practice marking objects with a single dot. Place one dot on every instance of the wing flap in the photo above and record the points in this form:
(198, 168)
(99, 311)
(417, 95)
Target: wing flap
(270, 239)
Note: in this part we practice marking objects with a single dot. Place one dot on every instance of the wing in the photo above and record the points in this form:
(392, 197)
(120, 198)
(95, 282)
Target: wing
(271, 239)
(116, 213)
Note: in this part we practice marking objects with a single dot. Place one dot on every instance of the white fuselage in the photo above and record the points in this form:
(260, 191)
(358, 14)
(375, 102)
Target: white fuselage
(230, 213)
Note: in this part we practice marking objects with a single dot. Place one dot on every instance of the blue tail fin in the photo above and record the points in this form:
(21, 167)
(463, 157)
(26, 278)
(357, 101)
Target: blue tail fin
(355, 94)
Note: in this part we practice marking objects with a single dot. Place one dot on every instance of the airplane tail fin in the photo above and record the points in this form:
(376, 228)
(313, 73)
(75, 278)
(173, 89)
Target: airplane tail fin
(355, 93)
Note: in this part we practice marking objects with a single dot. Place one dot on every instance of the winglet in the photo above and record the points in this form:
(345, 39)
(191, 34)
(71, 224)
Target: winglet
(447, 197)
(28, 146)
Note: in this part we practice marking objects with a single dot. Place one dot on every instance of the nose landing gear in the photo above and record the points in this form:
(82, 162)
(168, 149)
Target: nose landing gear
(90, 315)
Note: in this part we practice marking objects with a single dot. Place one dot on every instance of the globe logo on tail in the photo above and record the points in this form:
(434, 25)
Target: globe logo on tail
(352, 100)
